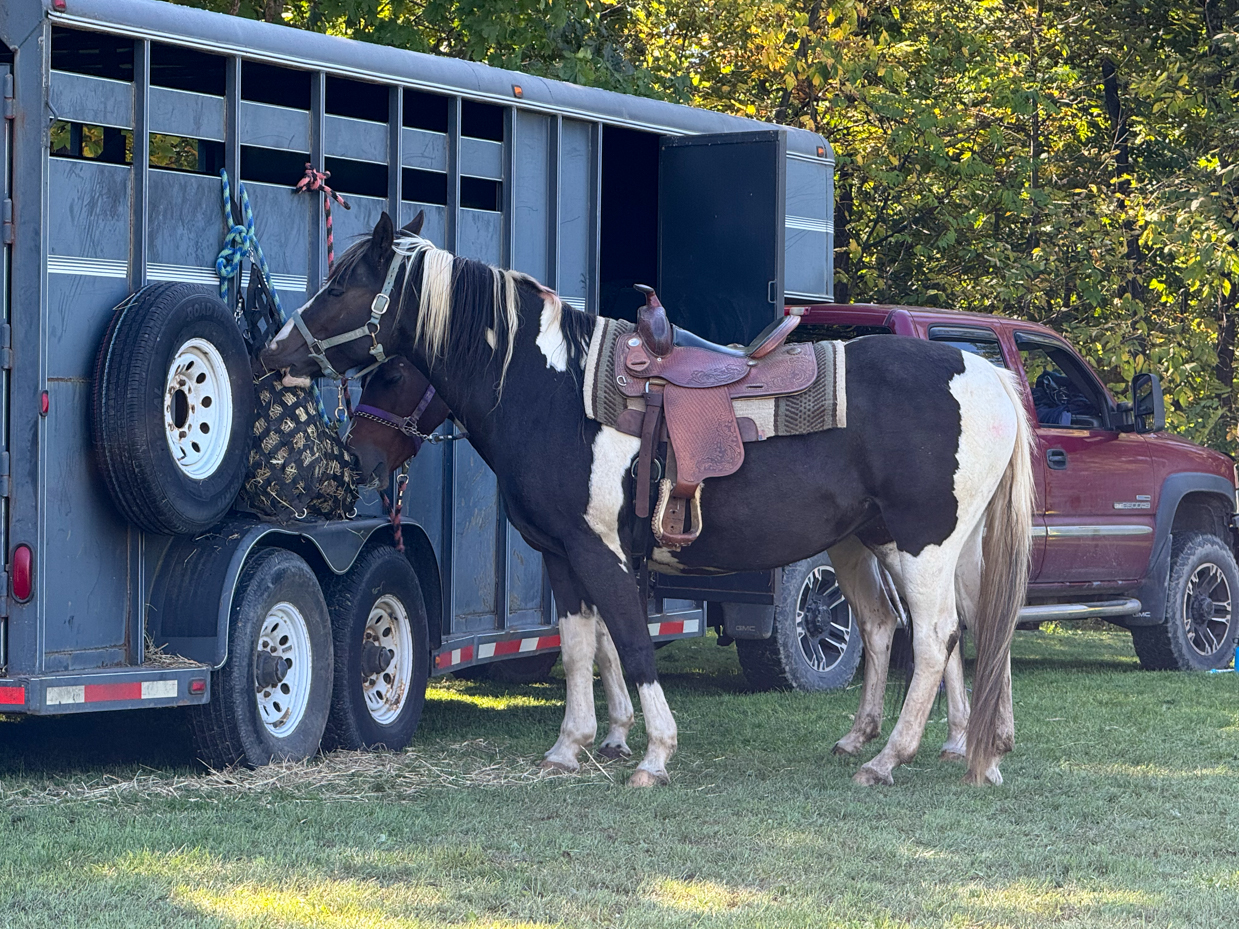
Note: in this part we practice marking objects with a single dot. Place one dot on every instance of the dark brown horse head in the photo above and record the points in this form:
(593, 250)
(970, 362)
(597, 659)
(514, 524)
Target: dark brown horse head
(343, 304)
(397, 403)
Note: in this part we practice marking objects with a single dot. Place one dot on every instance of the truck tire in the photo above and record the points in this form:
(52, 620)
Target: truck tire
(815, 644)
(382, 653)
(269, 701)
(1200, 628)
(172, 408)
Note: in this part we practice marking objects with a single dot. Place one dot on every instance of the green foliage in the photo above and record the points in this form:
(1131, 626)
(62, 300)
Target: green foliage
(1070, 164)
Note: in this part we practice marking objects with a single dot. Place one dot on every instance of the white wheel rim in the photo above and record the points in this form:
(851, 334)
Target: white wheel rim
(386, 690)
(197, 408)
(283, 636)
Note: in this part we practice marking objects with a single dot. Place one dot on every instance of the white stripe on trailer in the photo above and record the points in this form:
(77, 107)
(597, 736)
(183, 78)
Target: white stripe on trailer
(486, 650)
(57, 696)
(155, 690)
(530, 644)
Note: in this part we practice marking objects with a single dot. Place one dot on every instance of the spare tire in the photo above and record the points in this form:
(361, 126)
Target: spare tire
(173, 408)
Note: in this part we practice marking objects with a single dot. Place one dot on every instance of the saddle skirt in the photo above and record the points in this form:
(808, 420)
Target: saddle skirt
(773, 399)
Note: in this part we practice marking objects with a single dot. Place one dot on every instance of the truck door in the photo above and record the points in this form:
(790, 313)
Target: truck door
(721, 234)
(1099, 520)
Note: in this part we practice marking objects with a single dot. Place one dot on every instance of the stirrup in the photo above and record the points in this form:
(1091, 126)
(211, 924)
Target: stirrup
(669, 517)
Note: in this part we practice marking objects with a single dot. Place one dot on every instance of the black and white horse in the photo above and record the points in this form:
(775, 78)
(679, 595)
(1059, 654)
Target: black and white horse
(931, 475)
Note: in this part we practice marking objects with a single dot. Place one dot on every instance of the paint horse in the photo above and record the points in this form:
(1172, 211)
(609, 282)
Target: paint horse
(932, 473)
(378, 435)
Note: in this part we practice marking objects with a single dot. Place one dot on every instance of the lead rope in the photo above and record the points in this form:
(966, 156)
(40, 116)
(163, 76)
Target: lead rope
(314, 181)
(393, 512)
(241, 241)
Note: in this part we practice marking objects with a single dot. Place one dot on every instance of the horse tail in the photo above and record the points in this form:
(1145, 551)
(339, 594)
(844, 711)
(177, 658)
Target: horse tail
(1004, 584)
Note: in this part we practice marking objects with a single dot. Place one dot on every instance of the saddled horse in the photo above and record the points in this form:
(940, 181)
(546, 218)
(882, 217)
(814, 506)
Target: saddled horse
(383, 435)
(932, 473)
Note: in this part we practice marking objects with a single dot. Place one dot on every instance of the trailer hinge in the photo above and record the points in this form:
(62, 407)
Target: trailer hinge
(6, 219)
(4, 474)
(10, 104)
(6, 353)
(4, 596)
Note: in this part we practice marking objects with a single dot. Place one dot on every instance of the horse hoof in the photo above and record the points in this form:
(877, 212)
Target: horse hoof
(992, 776)
(841, 749)
(951, 755)
(562, 767)
(643, 778)
(868, 777)
(615, 751)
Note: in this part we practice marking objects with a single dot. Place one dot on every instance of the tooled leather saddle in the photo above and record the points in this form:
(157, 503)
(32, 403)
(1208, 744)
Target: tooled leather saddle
(688, 385)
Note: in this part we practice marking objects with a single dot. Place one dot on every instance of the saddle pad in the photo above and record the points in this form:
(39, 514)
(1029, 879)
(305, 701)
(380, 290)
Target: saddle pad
(819, 406)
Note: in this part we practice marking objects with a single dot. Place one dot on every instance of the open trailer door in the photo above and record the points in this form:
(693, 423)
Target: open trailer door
(721, 231)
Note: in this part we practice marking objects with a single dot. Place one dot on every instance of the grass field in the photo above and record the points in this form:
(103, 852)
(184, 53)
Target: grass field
(1120, 809)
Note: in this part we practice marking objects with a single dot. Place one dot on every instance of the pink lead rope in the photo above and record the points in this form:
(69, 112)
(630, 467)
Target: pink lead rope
(315, 181)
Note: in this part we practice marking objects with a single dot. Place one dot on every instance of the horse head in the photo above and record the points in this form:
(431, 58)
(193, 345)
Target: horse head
(344, 325)
(397, 409)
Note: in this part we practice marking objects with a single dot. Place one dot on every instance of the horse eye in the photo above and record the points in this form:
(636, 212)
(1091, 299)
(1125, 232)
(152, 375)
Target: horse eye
(335, 290)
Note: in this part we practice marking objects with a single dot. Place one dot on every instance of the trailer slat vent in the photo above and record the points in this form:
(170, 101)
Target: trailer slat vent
(278, 86)
(481, 120)
(425, 111)
(356, 99)
(363, 178)
(423, 186)
(92, 53)
(188, 69)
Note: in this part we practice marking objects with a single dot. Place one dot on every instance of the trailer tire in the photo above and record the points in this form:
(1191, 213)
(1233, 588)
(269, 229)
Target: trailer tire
(805, 650)
(382, 653)
(172, 408)
(279, 647)
(1199, 632)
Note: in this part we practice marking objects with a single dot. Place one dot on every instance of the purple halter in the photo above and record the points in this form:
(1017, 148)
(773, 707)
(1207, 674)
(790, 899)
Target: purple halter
(406, 425)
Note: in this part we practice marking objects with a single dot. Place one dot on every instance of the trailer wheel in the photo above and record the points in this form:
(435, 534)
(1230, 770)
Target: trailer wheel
(173, 408)
(1202, 615)
(382, 653)
(269, 702)
(815, 644)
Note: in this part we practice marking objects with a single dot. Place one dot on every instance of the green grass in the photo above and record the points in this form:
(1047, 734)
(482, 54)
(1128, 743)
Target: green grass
(1120, 809)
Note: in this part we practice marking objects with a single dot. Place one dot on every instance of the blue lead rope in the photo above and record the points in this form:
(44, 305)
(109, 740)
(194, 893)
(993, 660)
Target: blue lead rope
(241, 242)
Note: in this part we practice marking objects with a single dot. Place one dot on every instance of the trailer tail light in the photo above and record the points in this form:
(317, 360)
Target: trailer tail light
(58, 5)
(21, 569)
(44, 404)
(197, 686)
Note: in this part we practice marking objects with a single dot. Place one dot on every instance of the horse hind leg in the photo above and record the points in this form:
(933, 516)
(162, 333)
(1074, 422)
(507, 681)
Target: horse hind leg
(860, 578)
(619, 704)
(967, 592)
(934, 621)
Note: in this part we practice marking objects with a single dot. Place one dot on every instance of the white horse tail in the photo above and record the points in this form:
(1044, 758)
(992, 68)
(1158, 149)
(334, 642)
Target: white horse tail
(1004, 585)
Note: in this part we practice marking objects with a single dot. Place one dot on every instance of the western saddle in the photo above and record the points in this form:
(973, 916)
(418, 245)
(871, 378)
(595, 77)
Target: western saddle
(688, 385)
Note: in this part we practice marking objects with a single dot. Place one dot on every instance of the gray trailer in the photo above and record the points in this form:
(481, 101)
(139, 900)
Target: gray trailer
(119, 116)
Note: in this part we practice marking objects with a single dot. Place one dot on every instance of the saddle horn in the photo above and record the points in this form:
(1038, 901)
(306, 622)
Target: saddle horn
(652, 324)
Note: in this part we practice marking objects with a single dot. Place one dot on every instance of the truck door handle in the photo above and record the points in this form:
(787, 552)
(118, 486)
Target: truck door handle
(1056, 458)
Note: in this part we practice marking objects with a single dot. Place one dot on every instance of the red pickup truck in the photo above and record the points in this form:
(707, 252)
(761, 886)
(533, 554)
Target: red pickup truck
(1133, 524)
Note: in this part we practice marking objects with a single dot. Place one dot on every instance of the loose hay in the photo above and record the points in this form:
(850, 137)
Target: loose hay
(341, 777)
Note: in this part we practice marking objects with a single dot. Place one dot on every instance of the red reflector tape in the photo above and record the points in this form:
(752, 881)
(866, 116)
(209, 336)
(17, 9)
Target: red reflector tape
(12, 696)
(97, 693)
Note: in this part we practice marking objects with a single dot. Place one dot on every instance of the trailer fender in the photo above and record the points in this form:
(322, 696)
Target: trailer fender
(192, 594)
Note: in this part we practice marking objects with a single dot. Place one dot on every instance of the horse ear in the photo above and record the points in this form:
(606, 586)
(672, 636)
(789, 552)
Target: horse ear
(382, 238)
(415, 227)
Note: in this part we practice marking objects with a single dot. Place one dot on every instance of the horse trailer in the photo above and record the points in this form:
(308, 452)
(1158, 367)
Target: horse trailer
(121, 119)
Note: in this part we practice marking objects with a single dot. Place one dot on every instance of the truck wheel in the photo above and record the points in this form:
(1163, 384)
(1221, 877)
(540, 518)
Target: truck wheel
(173, 408)
(269, 701)
(815, 644)
(1200, 628)
(382, 653)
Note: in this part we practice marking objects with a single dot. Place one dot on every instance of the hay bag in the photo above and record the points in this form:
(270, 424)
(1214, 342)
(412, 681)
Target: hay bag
(298, 466)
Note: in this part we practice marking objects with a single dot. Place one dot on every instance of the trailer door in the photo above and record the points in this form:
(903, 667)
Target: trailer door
(721, 231)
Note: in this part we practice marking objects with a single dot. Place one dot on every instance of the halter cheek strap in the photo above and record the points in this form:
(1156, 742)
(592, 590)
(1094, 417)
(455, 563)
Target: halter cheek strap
(378, 307)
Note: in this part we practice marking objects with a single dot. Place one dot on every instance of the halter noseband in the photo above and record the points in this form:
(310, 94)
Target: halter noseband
(378, 307)
(407, 424)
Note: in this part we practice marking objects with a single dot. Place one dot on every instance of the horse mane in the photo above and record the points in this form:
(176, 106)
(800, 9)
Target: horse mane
(469, 306)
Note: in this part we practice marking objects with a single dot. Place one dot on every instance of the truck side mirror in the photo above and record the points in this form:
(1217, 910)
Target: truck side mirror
(1148, 406)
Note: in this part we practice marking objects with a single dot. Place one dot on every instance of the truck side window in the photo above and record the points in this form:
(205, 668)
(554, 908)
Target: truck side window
(970, 339)
(1062, 393)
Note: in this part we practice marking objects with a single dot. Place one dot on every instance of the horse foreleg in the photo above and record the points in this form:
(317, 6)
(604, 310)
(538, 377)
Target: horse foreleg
(934, 621)
(577, 642)
(619, 704)
(859, 575)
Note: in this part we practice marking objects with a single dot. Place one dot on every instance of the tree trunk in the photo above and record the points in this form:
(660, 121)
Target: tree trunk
(273, 11)
(843, 240)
